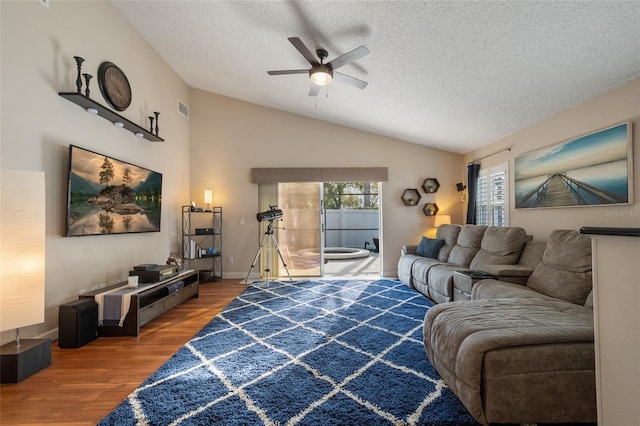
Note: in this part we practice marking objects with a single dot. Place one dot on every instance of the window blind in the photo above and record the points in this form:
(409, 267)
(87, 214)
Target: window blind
(491, 193)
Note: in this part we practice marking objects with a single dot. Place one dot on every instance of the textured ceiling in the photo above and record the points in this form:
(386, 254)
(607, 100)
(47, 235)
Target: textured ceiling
(451, 75)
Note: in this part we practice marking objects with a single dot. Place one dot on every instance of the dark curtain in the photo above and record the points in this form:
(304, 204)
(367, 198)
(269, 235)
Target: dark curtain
(472, 182)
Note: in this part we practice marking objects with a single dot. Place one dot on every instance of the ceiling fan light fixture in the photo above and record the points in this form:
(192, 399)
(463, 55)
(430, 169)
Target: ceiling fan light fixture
(321, 75)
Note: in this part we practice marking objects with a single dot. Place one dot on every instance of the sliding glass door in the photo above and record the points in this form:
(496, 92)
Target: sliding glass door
(301, 238)
(338, 223)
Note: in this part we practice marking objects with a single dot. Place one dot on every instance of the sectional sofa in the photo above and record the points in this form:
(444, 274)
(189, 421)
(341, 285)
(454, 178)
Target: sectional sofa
(521, 353)
(507, 252)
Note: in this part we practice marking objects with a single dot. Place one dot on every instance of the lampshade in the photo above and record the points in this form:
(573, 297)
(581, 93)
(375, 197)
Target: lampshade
(208, 196)
(321, 75)
(22, 231)
(442, 219)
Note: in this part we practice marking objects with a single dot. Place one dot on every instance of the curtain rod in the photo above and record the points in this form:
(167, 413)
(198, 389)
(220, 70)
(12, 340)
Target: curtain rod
(490, 155)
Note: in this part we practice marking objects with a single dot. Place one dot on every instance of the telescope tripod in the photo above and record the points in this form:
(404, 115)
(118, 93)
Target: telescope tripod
(270, 240)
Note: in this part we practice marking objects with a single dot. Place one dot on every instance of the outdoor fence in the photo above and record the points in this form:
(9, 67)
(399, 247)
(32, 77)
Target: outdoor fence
(351, 227)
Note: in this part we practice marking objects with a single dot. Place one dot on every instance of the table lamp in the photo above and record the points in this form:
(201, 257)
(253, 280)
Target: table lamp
(442, 219)
(208, 198)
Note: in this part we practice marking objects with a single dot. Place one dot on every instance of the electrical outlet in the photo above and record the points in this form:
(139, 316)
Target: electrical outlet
(242, 221)
(230, 259)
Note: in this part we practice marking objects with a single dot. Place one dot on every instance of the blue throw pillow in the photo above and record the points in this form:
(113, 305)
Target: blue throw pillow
(429, 247)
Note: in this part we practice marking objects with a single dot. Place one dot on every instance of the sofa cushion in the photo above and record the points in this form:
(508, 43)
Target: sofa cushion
(467, 246)
(429, 247)
(495, 289)
(570, 286)
(568, 250)
(448, 233)
(565, 271)
(420, 269)
(500, 246)
(441, 282)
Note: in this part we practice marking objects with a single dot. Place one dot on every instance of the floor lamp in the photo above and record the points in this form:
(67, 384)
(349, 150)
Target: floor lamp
(22, 228)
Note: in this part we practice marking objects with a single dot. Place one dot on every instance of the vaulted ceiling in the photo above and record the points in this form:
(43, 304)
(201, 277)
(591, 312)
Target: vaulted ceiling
(451, 75)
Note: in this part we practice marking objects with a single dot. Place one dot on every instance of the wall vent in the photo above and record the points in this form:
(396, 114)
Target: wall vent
(183, 108)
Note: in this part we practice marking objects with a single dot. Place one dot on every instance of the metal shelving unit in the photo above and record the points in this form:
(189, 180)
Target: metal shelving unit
(202, 242)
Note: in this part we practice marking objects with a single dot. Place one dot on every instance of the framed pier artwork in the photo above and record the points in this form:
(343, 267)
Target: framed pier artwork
(590, 170)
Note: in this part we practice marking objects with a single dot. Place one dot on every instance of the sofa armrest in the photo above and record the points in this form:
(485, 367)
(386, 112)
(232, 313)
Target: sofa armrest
(409, 249)
(516, 274)
(507, 270)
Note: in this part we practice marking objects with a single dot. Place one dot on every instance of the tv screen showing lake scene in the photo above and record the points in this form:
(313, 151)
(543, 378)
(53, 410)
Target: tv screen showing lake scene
(590, 170)
(109, 196)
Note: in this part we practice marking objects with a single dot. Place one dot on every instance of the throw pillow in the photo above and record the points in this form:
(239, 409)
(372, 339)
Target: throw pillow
(429, 247)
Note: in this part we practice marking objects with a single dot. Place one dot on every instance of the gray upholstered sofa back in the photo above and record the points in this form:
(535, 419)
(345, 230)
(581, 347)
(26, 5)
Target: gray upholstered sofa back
(565, 271)
(500, 246)
(467, 246)
(448, 233)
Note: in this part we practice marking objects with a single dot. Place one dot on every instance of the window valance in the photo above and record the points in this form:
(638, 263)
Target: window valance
(319, 174)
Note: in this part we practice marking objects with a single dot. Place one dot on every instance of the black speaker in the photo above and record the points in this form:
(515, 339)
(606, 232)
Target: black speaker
(77, 323)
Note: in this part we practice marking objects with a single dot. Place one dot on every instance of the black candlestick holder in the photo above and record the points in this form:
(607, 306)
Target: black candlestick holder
(151, 128)
(87, 78)
(157, 120)
(79, 62)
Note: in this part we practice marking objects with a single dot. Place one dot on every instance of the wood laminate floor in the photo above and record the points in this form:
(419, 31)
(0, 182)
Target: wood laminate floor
(85, 384)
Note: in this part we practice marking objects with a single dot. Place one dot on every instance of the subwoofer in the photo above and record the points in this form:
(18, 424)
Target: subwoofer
(77, 323)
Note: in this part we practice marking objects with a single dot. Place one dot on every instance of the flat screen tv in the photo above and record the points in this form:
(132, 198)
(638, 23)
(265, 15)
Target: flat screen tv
(109, 196)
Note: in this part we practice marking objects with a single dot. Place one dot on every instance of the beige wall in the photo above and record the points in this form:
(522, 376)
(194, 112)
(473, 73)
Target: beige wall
(229, 137)
(614, 107)
(38, 45)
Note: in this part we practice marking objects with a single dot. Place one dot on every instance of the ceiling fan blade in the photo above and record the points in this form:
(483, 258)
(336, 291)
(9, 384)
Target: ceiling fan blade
(348, 57)
(298, 44)
(351, 81)
(283, 72)
(314, 90)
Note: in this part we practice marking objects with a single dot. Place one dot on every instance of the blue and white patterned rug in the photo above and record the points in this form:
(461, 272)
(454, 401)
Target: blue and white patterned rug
(338, 352)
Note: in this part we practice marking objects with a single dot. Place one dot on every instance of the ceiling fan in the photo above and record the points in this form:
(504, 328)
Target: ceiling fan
(322, 74)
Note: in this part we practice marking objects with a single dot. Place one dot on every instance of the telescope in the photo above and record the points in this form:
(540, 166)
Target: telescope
(270, 240)
(270, 215)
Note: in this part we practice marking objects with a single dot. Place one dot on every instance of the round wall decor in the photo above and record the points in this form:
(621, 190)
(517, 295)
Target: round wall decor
(114, 86)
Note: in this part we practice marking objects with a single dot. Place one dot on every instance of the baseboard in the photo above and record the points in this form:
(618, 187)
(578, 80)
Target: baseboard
(239, 276)
(392, 275)
(51, 335)
(254, 277)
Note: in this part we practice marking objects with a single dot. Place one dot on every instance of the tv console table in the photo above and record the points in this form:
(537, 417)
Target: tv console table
(149, 301)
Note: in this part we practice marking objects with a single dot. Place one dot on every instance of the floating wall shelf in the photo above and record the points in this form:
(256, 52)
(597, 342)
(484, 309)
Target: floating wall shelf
(430, 209)
(430, 185)
(411, 197)
(104, 112)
